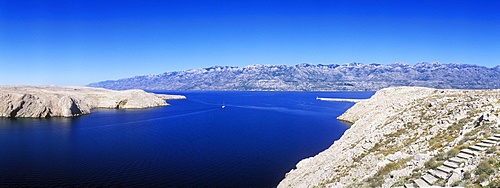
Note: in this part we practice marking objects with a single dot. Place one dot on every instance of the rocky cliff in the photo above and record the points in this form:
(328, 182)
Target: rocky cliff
(50, 101)
(309, 77)
(412, 137)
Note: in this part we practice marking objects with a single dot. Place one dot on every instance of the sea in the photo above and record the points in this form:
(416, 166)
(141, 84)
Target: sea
(253, 142)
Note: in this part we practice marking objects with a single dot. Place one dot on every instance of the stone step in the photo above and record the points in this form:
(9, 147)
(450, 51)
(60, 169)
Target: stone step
(409, 185)
(451, 164)
(439, 173)
(489, 141)
(477, 148)
(494, 138)
(482, 144)
(497, 135)
(421, 183)
(457, 159)
(445, 168)
(468, 151)
(430, 179)
(465, 155)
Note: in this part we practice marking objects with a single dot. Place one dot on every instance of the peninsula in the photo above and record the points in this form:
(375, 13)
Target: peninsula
(411, 137)
(52, 101)
(339, 100)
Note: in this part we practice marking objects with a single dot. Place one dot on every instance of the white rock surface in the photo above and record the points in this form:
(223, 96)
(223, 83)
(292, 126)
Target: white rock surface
(403, 127)
(51, 101)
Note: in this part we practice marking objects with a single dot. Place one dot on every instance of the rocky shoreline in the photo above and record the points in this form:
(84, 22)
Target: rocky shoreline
(54, 101)
(406, 137)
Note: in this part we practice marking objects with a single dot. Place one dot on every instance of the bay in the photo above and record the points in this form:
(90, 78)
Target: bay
(252, 142)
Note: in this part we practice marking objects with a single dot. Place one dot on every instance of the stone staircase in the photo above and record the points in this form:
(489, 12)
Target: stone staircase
(445, 171)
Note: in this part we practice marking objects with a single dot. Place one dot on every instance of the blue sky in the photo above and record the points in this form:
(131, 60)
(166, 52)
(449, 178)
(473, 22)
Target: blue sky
(60, 42)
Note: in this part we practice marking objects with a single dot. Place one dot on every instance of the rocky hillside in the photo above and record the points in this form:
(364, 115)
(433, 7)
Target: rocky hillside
(353, 76)
(411, 137)
(50, 101)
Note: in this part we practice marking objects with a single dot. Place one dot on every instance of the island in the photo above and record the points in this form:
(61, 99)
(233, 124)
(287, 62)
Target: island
(69, 101)
(411, 137)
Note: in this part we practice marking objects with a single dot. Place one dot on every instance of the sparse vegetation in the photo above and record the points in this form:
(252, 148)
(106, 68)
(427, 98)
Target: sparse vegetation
(482, 177)
(432, 163)
(484, 170)
(466, 138)
(378, 179)
(417, 173)
(467, 175)
(398, 184)
(494, 184)
(491, 150)
(486, 167)
(457, 183)
(445, 156)
(429, 126)
(358, 158)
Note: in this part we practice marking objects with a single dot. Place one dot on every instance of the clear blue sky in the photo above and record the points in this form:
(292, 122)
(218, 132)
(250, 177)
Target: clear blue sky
(76, 42)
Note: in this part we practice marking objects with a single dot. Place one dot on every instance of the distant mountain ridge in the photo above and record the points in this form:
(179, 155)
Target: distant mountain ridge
(309, 77)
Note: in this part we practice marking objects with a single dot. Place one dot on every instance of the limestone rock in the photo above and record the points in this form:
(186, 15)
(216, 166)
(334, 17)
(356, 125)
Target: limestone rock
(50, 101)
(396, 134)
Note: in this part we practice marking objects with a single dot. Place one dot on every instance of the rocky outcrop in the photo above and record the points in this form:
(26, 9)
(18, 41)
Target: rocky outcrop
(50, 101)
(400, 136)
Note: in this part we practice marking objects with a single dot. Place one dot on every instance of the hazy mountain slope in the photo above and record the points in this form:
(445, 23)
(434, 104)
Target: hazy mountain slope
(353, 76)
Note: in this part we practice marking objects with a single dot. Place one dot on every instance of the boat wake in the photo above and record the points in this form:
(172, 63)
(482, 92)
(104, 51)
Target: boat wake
(280, 109)
(159, 118)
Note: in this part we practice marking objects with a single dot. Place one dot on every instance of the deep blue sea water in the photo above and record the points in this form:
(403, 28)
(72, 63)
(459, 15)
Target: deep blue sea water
(252, 142)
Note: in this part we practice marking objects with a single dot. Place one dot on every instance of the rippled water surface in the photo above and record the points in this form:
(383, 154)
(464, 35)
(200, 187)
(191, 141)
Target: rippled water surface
(252, 142)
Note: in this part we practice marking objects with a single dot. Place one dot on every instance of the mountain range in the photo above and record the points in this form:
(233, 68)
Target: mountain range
(309, 77)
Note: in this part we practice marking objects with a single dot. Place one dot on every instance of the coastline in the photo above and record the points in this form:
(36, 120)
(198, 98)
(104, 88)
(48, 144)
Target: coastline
(396, 135)
(69, 101)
